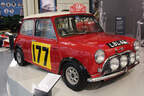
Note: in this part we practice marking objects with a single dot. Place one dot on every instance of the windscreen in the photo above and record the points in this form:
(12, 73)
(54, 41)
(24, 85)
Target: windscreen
(77, 24)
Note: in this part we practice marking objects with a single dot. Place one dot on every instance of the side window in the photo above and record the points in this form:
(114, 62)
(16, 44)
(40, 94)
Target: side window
(44, 28)
(27, 27)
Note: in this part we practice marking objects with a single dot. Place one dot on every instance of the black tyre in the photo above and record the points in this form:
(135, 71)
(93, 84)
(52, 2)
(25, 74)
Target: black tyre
(142, 43)
(19, 57)
(74, 77)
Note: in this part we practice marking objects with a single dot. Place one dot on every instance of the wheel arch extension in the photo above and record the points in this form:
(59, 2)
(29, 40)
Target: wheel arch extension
(71, 59)
(17, 46)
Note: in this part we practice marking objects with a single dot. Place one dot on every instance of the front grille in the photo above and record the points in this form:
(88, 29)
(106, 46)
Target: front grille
(106, 67)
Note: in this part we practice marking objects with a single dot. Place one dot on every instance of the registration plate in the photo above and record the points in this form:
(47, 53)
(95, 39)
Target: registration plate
(117, 43)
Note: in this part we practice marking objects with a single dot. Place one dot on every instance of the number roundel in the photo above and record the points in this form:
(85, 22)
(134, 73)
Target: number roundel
(41, 54)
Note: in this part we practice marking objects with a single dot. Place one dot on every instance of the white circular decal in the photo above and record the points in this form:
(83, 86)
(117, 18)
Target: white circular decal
(6, 11)
(14, 4)
(11, 11)
(8, 4)
(2, 4)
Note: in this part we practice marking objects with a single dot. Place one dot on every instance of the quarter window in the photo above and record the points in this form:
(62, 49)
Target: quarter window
(27, 27)
(44, 28)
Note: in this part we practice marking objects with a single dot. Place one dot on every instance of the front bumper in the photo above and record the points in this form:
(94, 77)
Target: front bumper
(111, 75)
(104, 77)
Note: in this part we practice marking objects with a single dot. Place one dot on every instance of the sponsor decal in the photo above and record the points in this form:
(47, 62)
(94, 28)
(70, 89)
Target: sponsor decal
(117, 43)
(78, 8)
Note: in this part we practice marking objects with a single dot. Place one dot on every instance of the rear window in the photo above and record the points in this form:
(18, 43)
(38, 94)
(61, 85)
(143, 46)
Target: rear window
(27, 27)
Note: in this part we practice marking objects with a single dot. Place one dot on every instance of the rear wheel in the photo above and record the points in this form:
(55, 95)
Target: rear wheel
(74, 76)
(19, 57)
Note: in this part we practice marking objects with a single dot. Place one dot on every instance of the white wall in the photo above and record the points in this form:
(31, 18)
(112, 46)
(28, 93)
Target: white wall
(30, 7)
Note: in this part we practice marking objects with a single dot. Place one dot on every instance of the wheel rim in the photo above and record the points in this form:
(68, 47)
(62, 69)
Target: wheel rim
(18, 56)
(142, 43)
(72, 75)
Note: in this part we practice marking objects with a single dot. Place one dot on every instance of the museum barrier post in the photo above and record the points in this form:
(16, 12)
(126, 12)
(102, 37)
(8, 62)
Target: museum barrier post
(11, 41)
(105, 21)
(1, 42)
(139, 34)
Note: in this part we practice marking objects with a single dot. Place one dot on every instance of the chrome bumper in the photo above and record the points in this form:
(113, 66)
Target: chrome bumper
(104, 77)
(111, 75)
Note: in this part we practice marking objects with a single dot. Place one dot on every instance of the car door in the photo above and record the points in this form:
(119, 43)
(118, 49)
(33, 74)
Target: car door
(44, 46)
(25, 38)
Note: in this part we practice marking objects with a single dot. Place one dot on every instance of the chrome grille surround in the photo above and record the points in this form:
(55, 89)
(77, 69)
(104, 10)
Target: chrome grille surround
(105, 65)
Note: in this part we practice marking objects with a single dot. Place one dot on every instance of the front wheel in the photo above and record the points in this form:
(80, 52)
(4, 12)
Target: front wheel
(74, 76)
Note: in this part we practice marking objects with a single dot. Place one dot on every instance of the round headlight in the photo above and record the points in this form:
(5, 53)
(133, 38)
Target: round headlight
(99, 56)
(123, 61)
(132, 58)
(114, 64)
(136, 45)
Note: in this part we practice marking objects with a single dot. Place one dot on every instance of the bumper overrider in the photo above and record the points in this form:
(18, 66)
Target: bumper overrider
(107, 74)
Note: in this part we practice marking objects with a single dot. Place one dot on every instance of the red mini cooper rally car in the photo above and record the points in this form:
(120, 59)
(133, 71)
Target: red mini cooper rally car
(75, 46)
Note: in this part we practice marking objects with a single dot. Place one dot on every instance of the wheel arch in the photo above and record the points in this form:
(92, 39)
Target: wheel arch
(17, 46)
(71, 59)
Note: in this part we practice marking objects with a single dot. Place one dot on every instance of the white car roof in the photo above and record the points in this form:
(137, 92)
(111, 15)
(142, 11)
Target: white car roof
(47, 14)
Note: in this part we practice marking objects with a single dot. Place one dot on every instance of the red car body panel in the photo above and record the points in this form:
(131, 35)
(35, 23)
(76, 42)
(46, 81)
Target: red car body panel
(84, 46)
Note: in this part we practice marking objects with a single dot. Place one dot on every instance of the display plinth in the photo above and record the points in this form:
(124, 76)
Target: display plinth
(22, 81)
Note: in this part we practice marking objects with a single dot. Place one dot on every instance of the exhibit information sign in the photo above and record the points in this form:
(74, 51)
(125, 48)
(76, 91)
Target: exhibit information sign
(48, 82)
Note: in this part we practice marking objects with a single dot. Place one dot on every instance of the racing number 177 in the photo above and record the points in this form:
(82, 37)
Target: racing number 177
(40, 54)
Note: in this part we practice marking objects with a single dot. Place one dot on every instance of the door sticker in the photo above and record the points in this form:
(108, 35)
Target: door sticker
(41, 54)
